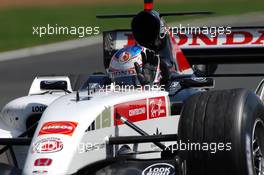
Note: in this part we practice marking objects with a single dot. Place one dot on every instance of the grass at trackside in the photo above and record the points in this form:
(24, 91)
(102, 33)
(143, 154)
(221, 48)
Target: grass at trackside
(16, 24)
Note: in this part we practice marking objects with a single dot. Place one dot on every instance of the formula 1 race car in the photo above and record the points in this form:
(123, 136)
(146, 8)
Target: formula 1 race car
(185, 128)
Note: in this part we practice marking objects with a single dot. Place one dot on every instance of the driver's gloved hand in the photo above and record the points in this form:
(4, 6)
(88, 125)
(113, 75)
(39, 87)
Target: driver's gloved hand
(150, 62)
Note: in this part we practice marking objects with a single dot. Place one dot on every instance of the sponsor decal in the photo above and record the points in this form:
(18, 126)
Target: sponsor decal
(125, 56)
(60, 127)
(40, 172)
(159, 169)
(43, 162)
(118, 73)
(137, 111)
(237, 38)
(134, 111)
(38, 109)
(47, 145)
(157, 107)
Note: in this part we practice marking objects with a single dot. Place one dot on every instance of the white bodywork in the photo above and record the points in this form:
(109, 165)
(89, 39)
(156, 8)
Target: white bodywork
(90, 120)
(14, 115)
(74, 129)
(67, 149)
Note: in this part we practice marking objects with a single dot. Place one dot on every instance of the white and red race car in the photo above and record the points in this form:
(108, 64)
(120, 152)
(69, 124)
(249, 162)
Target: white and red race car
(181, 129)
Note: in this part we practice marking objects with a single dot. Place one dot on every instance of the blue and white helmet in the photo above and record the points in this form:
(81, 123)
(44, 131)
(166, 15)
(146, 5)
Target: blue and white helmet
(122, 66)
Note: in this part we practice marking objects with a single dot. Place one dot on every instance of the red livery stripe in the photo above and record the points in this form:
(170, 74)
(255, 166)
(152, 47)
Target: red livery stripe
(136, 111)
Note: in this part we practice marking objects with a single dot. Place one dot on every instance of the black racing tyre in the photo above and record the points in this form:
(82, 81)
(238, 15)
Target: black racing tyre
(232, 120)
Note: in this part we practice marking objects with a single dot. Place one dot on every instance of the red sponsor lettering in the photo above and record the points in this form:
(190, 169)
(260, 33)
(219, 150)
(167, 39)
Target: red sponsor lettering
(157, 107)
(134, 111)
(60, 127)
(235, 38)
(245, 36)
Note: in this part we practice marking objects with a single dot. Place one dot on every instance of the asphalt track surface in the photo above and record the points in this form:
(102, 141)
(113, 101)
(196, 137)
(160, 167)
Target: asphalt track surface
(16, 75)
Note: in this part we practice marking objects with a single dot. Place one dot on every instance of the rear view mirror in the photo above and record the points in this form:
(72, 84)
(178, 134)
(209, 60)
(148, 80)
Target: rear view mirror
(197, 82)
(53, 85)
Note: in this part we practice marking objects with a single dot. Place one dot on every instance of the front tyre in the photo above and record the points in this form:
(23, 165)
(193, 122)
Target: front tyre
(232, 119)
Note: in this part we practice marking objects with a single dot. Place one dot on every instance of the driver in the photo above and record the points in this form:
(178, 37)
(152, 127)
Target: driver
(135, 65)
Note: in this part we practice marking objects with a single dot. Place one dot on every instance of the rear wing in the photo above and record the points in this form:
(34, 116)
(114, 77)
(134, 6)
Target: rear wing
(243, 45)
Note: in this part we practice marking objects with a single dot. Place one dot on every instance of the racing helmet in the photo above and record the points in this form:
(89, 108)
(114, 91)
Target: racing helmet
(122, 66)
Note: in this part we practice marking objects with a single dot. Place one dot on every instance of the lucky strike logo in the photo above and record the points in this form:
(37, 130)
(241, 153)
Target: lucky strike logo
(47, 145)
(159, 169)
(61, 127)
